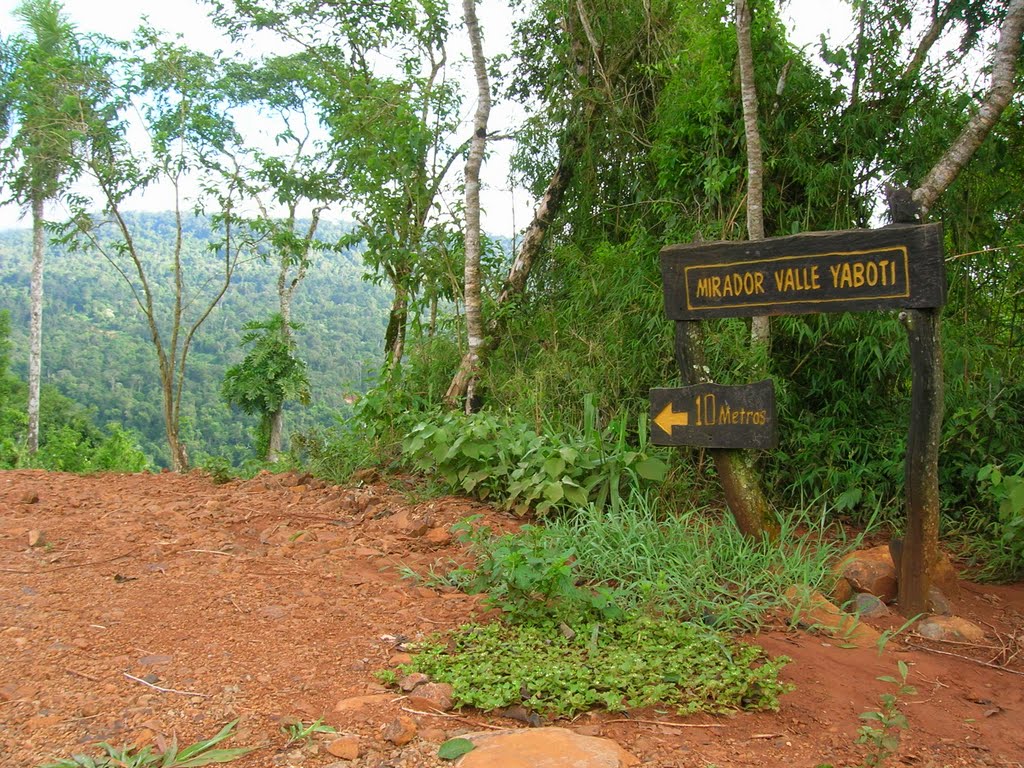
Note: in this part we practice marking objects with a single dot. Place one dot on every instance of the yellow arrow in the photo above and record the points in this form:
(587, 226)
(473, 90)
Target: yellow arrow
(669, 418)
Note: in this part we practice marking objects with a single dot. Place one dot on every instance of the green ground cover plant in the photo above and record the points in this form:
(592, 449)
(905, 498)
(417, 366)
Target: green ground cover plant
(557, 671)
(506, 460)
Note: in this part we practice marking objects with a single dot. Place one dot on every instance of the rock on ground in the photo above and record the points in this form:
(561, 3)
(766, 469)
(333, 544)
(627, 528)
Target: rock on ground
(543, 748)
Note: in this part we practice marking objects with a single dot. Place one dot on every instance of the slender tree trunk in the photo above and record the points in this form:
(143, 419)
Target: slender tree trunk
(276, 435)
(35, 345)
(760, 327)
(394, 336)
(519, 272)
(177, 449)
(474, 317)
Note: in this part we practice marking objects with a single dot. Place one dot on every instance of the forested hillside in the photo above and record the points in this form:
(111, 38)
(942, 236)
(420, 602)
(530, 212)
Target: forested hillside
(97, 349)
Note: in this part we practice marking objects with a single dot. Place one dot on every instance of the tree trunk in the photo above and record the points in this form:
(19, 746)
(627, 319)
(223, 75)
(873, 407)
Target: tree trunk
(519, 272)
(35, 345)
(177, 449)
(1001, 89)
(276, 435)
(760, 327)
(736, 470)
(394, 337)
(474, 317)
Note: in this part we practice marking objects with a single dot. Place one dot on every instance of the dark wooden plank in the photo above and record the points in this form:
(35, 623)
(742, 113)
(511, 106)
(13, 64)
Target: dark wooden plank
(715, 416)
(854, 270)
(920, 552)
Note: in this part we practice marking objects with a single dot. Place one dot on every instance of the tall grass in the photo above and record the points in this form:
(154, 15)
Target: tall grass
(695, 565)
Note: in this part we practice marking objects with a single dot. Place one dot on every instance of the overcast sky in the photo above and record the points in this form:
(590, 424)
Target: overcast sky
(506, 210)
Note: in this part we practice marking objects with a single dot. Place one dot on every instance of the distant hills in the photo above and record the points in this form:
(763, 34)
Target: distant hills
(97, 350)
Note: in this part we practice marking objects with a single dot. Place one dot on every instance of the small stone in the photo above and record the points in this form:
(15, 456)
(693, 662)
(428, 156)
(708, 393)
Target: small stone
(400, 731)
(345, 747)
(42, 721)
(439, 537)
(950, 628)
(36, 538)
(944, 578)
(812, 610)
(938, 603)
(353, 703)
(867, 606)
(155, 660)
(30, 497)
(273, 612)
(409, 682)
(842, 592)
(404, 522)
(432, 696)
(872, 571)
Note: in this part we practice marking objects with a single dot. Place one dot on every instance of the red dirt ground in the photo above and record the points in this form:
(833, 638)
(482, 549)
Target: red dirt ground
(278, 597)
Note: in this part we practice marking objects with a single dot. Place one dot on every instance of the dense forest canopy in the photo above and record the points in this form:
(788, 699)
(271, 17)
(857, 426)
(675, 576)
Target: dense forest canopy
(97, 346)
(638, 125)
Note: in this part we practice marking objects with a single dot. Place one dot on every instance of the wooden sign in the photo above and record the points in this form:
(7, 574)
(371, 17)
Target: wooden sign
(715, 416)
(854, 270)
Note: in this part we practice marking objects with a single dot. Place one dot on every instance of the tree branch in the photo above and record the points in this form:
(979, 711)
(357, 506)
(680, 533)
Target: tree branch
(1004, 67)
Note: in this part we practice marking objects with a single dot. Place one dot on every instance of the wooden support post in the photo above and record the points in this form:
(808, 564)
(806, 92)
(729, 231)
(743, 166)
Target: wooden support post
(736, 470)
(921, 541)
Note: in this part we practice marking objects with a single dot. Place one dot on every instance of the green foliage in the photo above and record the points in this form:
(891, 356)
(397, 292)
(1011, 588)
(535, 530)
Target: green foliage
(600, 565)
(529, 575)
(453, 749)
(304, 732)
(506, 461)
(1005, 492)
(636, 663)
(269, 375)
(69, 440)
(198, 754)
(881, 731)
(114, 375)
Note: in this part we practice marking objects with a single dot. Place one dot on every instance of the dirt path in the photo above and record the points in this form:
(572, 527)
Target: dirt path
(278, 597)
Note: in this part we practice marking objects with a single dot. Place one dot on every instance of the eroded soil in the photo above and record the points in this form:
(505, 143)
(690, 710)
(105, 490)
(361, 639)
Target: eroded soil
(278, 598)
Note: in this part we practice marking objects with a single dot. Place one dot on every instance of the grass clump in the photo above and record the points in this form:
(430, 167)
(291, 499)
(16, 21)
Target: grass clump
(642, 661)
(193, 756)
(690, 565)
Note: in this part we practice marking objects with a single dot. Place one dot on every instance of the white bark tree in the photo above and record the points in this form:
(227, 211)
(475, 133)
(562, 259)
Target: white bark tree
(474, 161)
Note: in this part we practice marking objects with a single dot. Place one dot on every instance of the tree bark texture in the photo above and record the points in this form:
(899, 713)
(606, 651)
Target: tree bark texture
(760, 327)
(736, 470)
(394, 336)
(35, 345)
(921, 541)
(474, 316)
(275, 438)
(1001, 88)
(570, 147)
(529, 250)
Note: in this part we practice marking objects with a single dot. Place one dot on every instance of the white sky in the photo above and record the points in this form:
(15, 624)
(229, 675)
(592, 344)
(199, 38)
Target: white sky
(506, 211)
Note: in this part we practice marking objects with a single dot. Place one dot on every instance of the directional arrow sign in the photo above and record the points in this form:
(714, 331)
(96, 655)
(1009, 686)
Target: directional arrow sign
(669, 418)
(715, 416)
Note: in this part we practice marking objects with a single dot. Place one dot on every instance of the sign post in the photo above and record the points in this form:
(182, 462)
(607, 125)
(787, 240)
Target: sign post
(894, 268)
